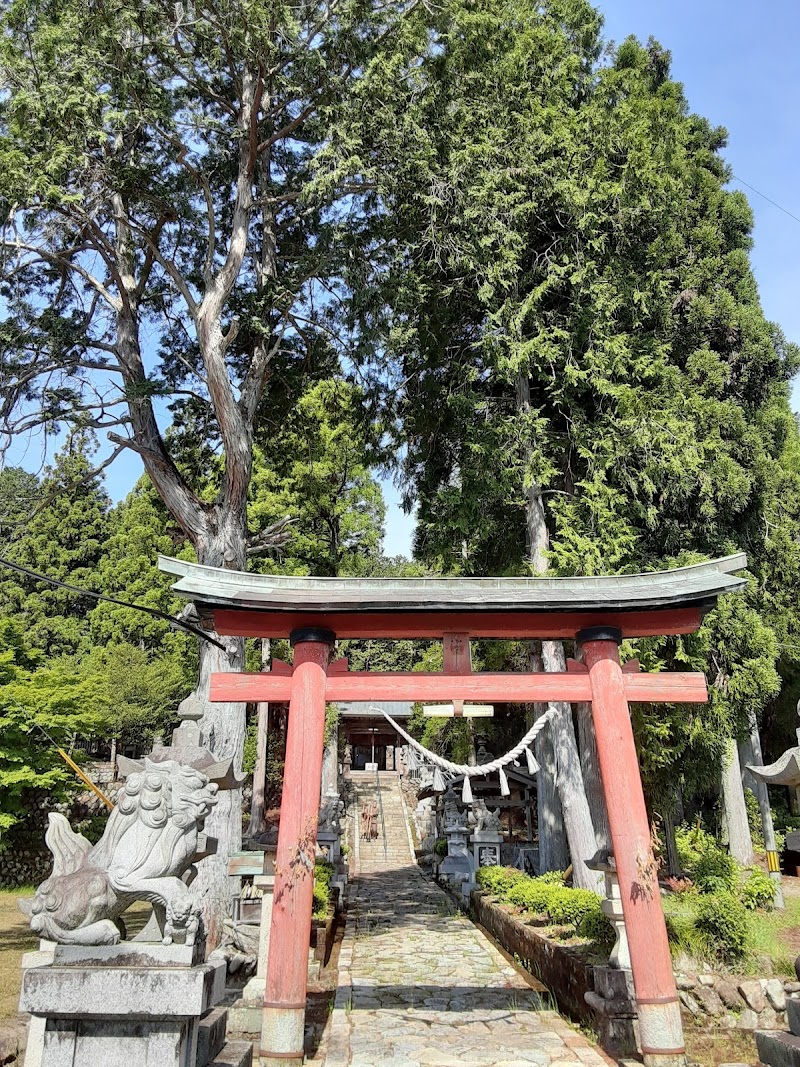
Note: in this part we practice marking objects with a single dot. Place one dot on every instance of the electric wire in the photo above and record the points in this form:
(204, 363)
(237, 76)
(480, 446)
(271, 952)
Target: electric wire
(175, 624)
(764, 196)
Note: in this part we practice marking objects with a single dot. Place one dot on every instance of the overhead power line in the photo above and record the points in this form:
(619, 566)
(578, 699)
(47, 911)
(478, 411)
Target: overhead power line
(764, 196)
(176, 624)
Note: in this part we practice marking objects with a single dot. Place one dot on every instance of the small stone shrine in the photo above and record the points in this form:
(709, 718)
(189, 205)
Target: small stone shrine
(94, 996)
(486, 838)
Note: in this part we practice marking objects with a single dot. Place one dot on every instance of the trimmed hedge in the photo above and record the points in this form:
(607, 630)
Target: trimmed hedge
(547, 896)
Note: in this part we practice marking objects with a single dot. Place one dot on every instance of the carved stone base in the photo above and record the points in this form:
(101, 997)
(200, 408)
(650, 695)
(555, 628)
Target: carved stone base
(87, 1012)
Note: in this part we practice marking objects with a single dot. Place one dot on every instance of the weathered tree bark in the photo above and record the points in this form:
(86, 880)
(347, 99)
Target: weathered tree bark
(569, 781)
(330, 764)
(593, 783)
(750, 753)
(740, 843)
(671, 845)
(553, 848)
(257, 806)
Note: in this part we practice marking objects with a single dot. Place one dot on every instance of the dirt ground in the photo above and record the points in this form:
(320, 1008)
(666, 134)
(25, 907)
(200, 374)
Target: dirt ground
(15, 939)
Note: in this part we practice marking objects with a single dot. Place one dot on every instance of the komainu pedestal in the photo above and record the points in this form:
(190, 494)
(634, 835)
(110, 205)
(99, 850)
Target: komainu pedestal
(96, 998)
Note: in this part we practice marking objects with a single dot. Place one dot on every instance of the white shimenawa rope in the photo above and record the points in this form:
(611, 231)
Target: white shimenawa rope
(484, 768)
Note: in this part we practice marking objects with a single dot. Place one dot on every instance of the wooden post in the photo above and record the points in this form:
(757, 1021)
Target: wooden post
(657, 1003)
(283, 1021)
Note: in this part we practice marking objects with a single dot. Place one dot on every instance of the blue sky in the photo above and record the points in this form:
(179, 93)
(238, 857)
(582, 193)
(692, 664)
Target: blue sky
(740, 66)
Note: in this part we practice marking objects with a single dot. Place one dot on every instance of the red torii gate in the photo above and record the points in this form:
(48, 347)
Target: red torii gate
(597, 613)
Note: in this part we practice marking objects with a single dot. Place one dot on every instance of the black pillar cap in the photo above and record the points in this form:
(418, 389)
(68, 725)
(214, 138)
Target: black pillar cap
(311, 633)
(599, 633)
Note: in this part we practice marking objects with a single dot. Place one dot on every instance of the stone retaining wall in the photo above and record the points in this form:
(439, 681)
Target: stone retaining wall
(565, 973)
(23, 866)
(729, 1002)
(716, 1002)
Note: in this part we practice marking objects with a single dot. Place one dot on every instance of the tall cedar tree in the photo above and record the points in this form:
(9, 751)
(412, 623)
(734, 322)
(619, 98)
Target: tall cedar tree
(60, 529)
(170, 236)
(582, 374)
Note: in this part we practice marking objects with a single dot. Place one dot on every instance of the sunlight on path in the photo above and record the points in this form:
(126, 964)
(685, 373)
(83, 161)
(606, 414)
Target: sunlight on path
(419, 984)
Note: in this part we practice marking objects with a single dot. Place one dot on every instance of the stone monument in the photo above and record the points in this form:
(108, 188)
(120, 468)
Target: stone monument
(487, 837)
(96, 997)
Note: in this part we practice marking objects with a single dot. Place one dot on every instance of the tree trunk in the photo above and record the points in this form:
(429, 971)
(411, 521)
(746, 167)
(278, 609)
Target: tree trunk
(257, 806)
(593, 783)
(222, 731)
(734, 811)
(553, 849)
(750, 752)
(330, 764)
(574, 805)
(671, 845)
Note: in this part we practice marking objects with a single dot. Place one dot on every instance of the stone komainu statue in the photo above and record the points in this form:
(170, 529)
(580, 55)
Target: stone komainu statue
(149, 843)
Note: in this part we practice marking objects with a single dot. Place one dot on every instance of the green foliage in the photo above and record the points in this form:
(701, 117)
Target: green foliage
(532, 894)
(498, 880)
(597, 927)
(56, 697)
(693, 843)
(716, 871)
(758, 890)
(440, 847)
(313, 470)
(723, 919)
(323, 872)
(546, 895)
(250, 751)
(570, 906)
(61, 535)
(684, 937)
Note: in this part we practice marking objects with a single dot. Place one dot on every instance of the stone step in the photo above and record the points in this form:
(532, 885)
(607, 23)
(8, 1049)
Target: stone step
(211, 1035)
(234, 1054)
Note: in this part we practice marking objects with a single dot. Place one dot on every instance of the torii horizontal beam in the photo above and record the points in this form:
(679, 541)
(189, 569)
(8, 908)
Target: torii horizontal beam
(417, 686)
(527, 625)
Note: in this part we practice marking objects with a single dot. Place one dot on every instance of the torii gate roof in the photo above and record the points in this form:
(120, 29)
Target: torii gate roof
(266, 605)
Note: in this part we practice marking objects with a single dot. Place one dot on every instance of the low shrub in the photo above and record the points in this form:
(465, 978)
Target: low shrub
(597, 927)
(532, 894)
(322, 900)
(440, 848)
(758, 891)
(684, 937)
(716, 871)
(723, 921)
(499, 880)
(692, 843)
(569, 906)
(552, 877)
(323, 872)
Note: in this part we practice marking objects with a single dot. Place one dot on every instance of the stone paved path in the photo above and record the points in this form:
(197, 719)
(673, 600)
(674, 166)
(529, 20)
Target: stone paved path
(419, 984)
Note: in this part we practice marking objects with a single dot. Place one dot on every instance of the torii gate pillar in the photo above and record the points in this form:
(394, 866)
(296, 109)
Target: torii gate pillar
(283, 1024)
(658, 1007)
